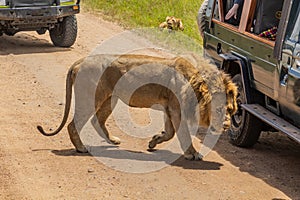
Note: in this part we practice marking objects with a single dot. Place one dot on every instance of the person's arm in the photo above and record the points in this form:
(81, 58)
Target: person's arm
(234, 9)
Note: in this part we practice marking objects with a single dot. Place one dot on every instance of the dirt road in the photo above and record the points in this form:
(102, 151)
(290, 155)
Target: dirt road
(36, 167)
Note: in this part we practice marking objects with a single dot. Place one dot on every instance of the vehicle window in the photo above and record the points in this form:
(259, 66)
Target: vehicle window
(233, 11)
(266, 18)
(223, 7)
(293, 28)
(257, 17)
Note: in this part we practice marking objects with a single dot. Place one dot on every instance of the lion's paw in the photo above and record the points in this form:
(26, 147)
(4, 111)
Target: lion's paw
(152, 144)
(156, 139)
(81, 149)
(193, 156)
(115, 140)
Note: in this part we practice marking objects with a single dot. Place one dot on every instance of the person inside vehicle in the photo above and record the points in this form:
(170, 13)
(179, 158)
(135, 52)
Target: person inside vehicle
(267, 18)
(233, 15)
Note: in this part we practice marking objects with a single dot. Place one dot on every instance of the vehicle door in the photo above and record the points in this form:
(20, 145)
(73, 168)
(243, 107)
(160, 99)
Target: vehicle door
(289, 72)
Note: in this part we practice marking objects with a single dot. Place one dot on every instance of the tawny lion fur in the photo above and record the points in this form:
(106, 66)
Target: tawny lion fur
(203, 77)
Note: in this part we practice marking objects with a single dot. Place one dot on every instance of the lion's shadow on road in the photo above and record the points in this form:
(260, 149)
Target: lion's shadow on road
(23, 43)
(161, 156)
(274, 160)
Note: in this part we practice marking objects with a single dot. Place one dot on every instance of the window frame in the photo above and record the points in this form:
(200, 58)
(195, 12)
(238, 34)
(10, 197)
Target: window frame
(246, 21)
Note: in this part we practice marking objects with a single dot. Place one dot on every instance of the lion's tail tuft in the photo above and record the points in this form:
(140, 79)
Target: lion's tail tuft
(40, 128)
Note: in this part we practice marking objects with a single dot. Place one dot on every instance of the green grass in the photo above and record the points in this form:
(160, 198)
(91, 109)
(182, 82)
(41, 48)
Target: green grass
(148, 13)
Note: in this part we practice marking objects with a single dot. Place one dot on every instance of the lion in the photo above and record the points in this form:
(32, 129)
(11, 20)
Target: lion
(172, 23)
(96, 96)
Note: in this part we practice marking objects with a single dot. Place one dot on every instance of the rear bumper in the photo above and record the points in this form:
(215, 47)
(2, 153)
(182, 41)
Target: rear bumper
(36, 13)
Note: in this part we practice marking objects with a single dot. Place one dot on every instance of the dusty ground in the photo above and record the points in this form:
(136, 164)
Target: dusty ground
(36, 167)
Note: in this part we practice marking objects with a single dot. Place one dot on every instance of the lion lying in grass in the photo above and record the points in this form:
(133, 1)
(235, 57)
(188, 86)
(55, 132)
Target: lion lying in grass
(94, 95)
(172, 23)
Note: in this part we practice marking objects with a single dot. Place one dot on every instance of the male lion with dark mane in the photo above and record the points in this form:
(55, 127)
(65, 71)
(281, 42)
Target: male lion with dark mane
(95, 80)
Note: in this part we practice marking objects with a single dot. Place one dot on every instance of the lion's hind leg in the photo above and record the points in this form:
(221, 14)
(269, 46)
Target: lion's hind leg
(75, 139)
(99, 120)
(164, 136)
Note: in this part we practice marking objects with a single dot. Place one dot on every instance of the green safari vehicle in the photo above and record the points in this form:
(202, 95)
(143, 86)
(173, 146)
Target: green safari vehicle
(260, 49)
(56, 16)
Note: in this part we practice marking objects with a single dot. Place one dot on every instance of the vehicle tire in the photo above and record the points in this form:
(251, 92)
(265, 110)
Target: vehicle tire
(10, 33)
(64, 33)
(41, 31)
(245, 128)
(201, 17)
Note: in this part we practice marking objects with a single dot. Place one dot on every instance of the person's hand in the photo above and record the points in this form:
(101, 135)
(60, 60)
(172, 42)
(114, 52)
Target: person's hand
(232, 12)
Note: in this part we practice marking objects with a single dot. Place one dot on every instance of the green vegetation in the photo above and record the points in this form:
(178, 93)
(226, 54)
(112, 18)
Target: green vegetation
(149, 13)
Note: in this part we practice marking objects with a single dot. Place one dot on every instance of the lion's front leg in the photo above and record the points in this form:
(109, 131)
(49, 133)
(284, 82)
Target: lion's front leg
(163, 25)
(184, 136)
(192, 154)
(164, 136)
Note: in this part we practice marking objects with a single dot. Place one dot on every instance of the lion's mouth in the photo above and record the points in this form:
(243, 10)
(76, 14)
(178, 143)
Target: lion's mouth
(170, 26)
(226, 125)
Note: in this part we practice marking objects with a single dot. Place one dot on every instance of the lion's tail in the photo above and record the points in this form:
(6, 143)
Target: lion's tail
(69, 84)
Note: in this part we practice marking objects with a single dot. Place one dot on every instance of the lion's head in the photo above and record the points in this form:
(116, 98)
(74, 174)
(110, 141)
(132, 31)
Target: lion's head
(174, 23)
(205, 96)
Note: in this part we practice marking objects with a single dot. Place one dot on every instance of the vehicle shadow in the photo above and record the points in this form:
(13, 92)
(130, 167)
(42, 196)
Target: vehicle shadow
(23, 43)
(113, 152)
(275, 159)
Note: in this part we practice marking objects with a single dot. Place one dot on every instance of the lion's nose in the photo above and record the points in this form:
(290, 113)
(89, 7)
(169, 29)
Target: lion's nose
(226, 125)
